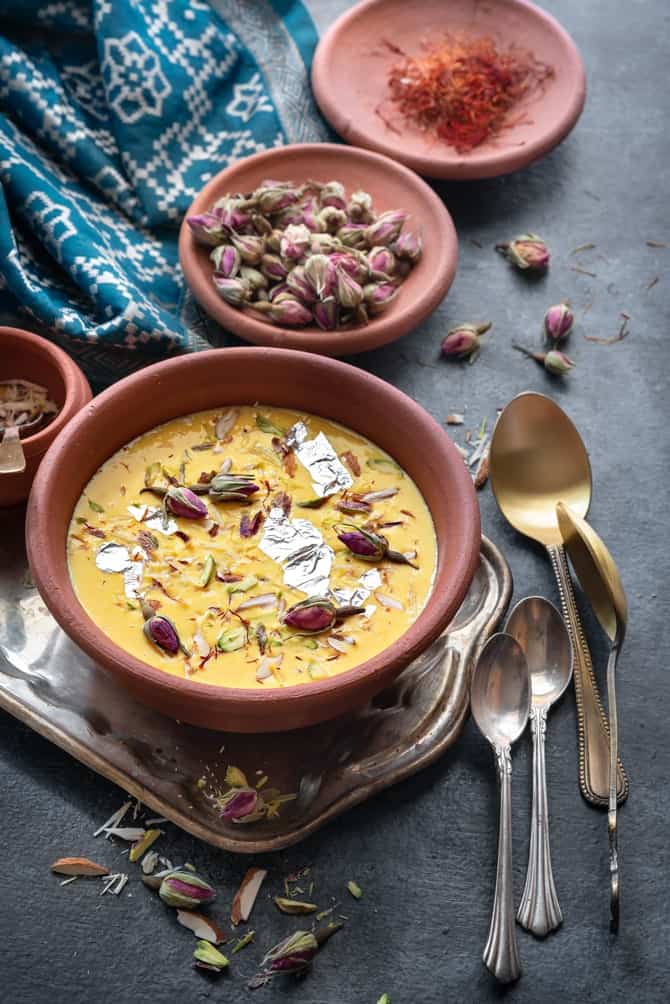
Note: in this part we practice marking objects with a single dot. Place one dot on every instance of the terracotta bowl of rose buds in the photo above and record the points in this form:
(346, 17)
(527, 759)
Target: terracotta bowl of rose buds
(282, 378)
(318, 247)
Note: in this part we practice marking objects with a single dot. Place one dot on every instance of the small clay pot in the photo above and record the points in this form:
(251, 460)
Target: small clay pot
(391, 186)
(25, 356)
(219, 379)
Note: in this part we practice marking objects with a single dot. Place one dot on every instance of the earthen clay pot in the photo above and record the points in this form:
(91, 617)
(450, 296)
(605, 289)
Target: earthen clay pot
(391, 186)
(218, 379)
(25, 356)
(353, 59)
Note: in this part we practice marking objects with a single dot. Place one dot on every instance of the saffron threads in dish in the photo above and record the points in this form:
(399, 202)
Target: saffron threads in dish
(462, 89)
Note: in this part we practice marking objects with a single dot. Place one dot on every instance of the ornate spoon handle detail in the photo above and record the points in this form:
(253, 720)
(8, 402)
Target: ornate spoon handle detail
(592, 727)
(539, 911)
(612, 814)
(501, 954)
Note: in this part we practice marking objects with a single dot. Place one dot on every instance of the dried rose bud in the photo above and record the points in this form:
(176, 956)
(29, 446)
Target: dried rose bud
(273, 267)
(347, 291)
(285, 294)
(365, 545)
(311, 616)
(185, 890)
(528, 251)
(255, 280)
(291, 216)
(232, 488)
(310, 216)
(381, 261)
(353, 235)
(206, 228)
(332, 219)
(233, 219)
(226, 260)
(378, 296)
(277, 290)
(461, 341)
(273, 241)
(408, 246)
(261, 224)
(295, 241)
(289, 311)
(297, 283)
(162, 633)
(251, 248)
(324, 244)
(240, 802)
(184, 502)
(558, 323)
(234, 291)
(326, 314)
(320, 273)
(386, 228)
(333, 194)
(554, 362)
(557, 362)
(359, 207)
(272, 198)
(371, 547)
(354, 265)
(293, 954)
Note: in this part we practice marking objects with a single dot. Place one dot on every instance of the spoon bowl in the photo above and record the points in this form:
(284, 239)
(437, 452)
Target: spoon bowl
(500, 691)
(596, 570)
(540, 631)
(537, 457)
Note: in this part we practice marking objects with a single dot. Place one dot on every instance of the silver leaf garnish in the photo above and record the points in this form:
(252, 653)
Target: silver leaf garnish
(356, 597)
(299, 548)
(296, 435)
(112, 557)
(152, 518)
(327, 472)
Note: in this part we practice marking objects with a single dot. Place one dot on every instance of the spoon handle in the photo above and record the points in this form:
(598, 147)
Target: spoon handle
(612, 814)
(592, 727)
(501, 954)
(539, 911)
(12, 457)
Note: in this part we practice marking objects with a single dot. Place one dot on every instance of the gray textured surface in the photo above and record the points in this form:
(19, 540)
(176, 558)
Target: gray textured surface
(424, 852)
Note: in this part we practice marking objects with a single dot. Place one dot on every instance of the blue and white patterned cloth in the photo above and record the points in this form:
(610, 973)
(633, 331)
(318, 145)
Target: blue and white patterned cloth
(113, 115)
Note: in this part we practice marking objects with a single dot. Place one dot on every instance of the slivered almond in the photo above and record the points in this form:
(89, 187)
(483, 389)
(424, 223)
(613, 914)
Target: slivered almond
(78, 866)
(201, 926)
(245, 897)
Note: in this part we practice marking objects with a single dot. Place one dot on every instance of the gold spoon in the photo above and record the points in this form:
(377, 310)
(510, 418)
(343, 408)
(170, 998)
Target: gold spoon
(600, 580)
(538, 459)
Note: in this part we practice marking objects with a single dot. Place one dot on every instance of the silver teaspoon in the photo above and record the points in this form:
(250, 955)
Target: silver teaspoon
(500, 701)
(541, 632)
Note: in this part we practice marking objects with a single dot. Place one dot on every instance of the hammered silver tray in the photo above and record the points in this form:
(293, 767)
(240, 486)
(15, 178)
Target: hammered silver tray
(176, 769)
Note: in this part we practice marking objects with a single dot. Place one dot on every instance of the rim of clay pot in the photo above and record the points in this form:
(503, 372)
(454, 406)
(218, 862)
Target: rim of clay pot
(55, 492)
(77, 389)
(419, 295)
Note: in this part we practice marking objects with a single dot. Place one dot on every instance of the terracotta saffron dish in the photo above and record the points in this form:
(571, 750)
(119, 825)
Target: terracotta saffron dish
(287, 379)
(350, 81)
(391, 186)
(26, 356)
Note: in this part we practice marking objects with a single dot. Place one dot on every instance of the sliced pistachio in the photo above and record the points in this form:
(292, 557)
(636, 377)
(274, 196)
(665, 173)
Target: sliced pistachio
(208, 571)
